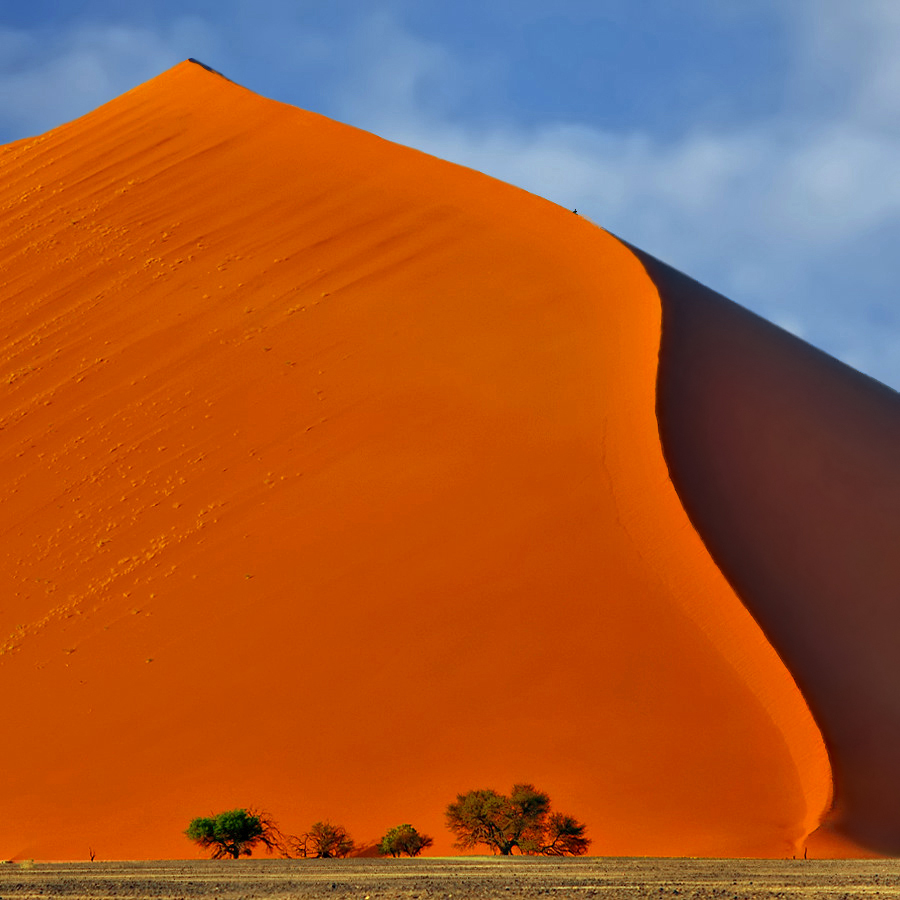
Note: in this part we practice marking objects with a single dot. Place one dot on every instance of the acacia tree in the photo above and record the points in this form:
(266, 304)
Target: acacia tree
(520, 820)
(324, 841)
(565, 836)
(404, 839)
(235, 833)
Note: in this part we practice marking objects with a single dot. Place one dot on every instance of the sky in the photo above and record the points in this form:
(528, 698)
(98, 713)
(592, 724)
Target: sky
(753, 144)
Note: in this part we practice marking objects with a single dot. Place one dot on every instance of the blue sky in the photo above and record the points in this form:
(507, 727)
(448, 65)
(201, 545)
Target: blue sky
(754, 144)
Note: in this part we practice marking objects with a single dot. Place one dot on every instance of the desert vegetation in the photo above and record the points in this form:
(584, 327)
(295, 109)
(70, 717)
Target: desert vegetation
(521, 820)
(323, 841)
(404, 839)
(235, 833)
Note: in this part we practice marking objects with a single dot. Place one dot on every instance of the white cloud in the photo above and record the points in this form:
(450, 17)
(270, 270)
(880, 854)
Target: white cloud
(46, 79)
(849, 50)
(397, 77)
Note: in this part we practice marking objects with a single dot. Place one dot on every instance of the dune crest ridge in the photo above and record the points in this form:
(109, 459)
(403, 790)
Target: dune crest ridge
(333, 485)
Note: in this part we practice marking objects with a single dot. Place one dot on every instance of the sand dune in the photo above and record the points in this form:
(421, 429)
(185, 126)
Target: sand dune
(333, 484)
(787, 462)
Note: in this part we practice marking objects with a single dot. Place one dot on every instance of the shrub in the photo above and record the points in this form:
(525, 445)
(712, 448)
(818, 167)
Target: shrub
(404, 839)
(324, 841)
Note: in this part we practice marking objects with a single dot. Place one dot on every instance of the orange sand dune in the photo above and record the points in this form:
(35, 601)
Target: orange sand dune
(332, 484)
(788, 463)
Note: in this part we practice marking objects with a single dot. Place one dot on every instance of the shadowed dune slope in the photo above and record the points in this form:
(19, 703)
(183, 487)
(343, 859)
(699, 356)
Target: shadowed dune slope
(787, 462)
(332, 484)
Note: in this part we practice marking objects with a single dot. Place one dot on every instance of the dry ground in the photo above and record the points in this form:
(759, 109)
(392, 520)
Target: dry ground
(471, 878)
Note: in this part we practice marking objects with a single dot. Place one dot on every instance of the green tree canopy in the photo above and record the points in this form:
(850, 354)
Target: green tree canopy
(235, 833)
(521, 820)
(404, 839)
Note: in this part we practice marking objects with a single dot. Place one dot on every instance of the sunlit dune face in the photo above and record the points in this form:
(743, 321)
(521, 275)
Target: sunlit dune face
(332, 485)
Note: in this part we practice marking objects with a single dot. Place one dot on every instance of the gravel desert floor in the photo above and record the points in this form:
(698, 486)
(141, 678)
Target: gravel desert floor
(459, 878)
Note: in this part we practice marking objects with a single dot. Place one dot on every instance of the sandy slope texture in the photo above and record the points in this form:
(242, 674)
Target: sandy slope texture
(787, 462)
(331, 483)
